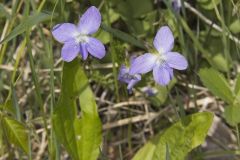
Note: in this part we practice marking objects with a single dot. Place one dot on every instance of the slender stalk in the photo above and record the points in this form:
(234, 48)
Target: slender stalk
(225, 42)
(120, 152)
(173, 104)
(238, 136)
(36, 82)
(113, 53)
(30, 147)
(9, 25)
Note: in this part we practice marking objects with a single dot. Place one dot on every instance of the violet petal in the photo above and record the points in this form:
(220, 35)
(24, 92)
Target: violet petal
(83, 51)
(161, 75)
(90, 21)
(95, 48)
(64, 32)
(143, 64)
(176, 61)
(133, 82)
(70, 50)
(164, 40)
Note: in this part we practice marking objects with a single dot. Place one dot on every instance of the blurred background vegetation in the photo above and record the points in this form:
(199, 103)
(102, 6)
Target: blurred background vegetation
(207, 33)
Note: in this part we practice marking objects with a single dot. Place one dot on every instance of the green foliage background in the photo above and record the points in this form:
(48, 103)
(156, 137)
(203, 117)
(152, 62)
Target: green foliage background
(50, 109)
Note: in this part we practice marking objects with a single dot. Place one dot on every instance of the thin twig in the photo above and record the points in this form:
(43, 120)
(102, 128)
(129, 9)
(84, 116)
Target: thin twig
(210, 23)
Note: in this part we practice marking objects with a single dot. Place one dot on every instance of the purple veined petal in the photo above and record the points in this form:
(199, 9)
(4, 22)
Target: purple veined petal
(143, 64)
(132, 58)
(95, 48)
(64, 32)
(162, 75)
(133, 82)
(122, 76)
(122, 71)
(164, 40)
(176, 4)
(176, 61)
(170, 70)
(70, 50)
(124, 79)
(149, 91)
(90, 21)
(83, 51)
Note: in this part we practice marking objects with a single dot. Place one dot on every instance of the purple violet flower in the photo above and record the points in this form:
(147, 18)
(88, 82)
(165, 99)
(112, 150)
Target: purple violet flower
(149, 91)
(176, 4)
(163, 62)
(76, 38)
(125, 77)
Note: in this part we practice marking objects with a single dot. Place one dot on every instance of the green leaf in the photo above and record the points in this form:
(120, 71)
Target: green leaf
(168, 156)
(217, 84)
(3, 12)
(8, 106)
(91, 137)
(16, 133)
(231, 115)
(1, 106)
(63, 123)
(134, 9)
(103, 36)
(235, 26)
(134, 13)
(237, 91)
(113, 18)
(219, 62)
(81, 137)
(208, 4)
(25, 24)
(71, 80)
(147, 151)
(123, 36)
(237, 84)
(65, 111)
(2, 144)
(162, 94)
(176, 141)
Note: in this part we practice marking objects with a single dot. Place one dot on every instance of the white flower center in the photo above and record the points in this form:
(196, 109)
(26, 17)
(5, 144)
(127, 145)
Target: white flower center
(161, 59)
(81, 38)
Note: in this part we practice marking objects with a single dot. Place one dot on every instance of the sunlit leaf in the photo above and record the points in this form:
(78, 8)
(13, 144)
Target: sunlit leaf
(231, 115)
(114, 16)
(8, 106)
(220, 63)
(180, 139)
(16, 133)
(235, 26)
(90, 128)
(237, 92)
(63, 122)
(237, 84)
(147, 151)
(65, 110)
(217, 84)
(81, 137)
